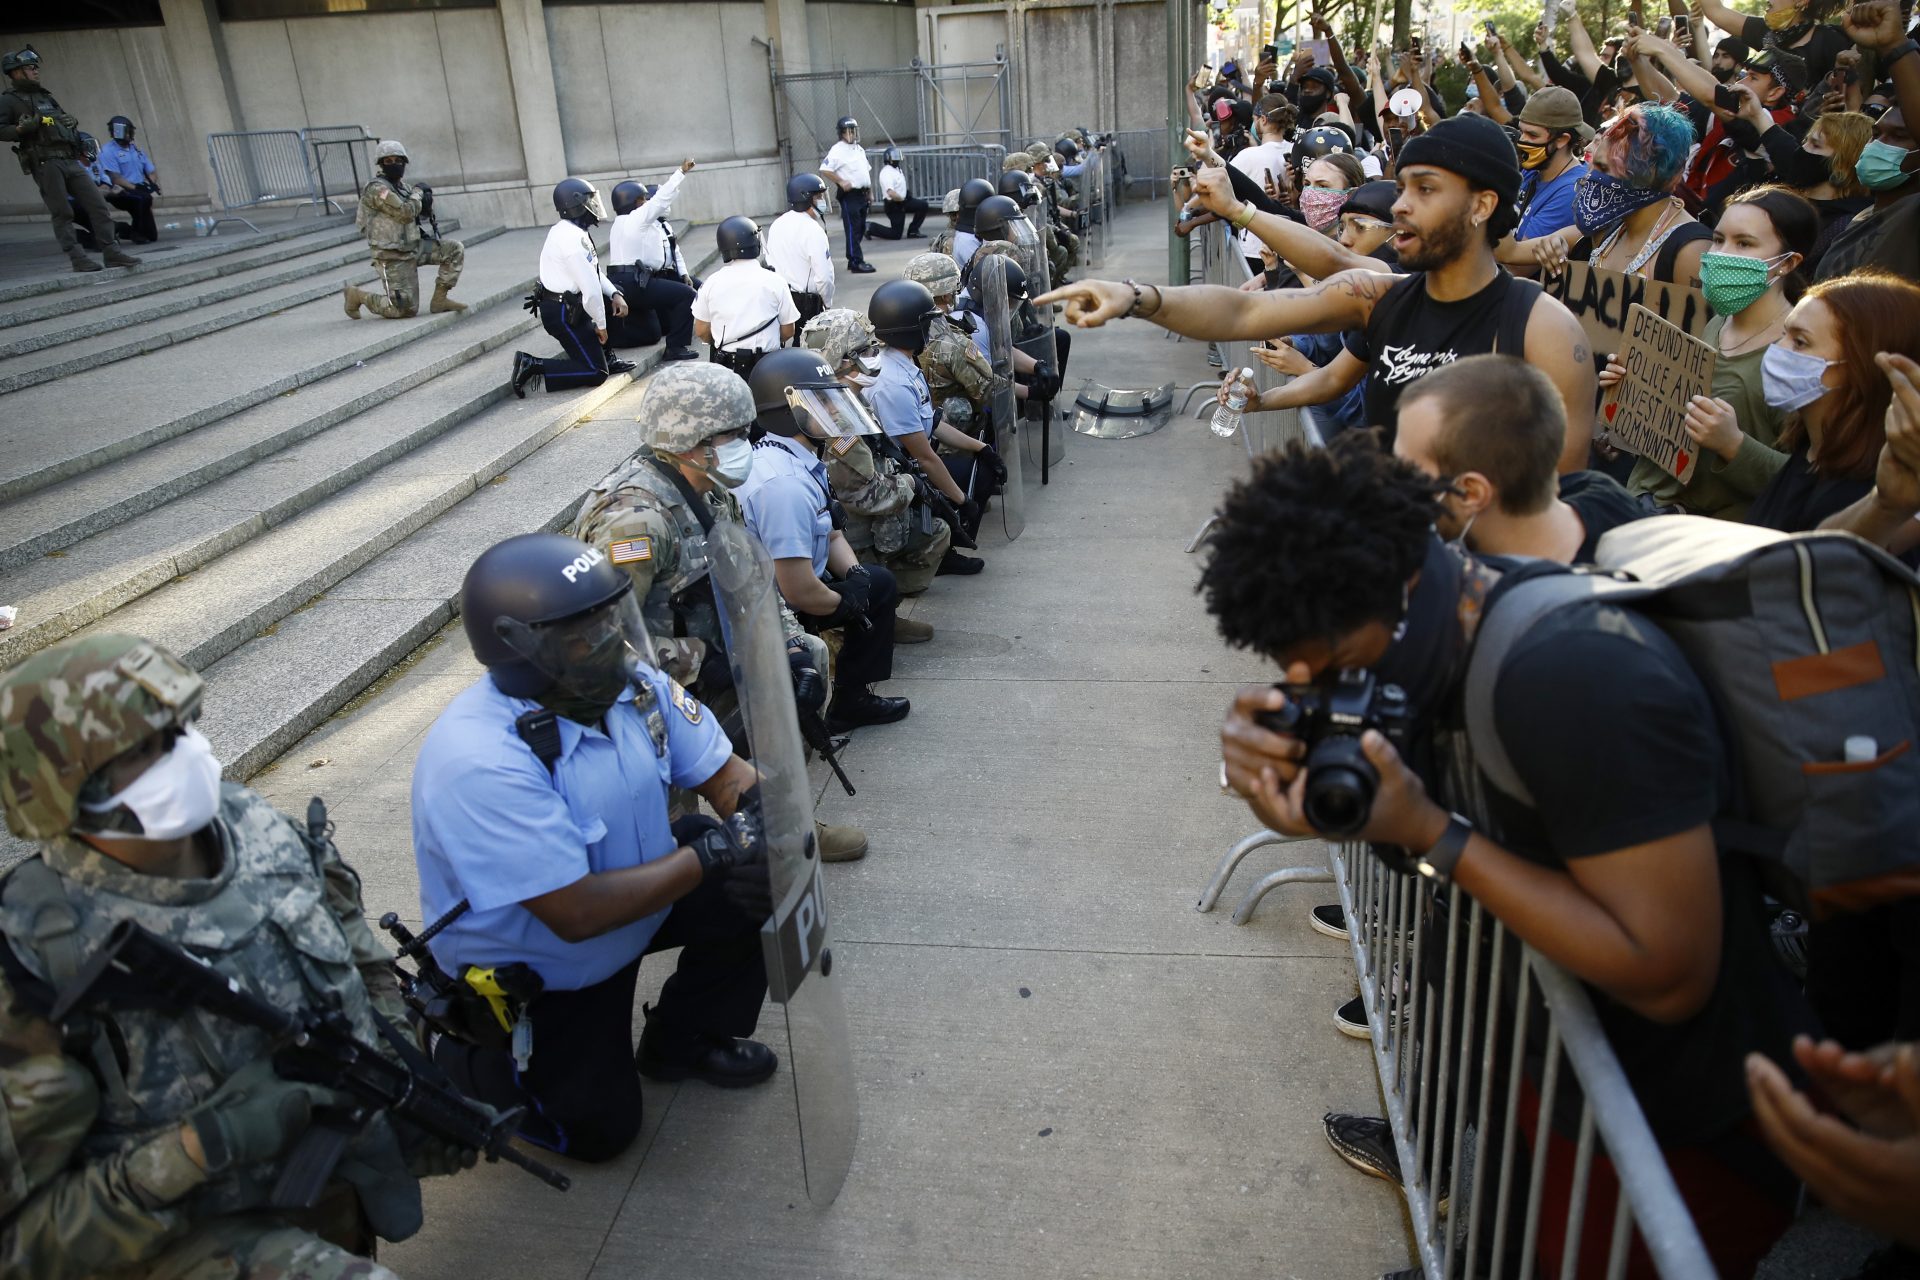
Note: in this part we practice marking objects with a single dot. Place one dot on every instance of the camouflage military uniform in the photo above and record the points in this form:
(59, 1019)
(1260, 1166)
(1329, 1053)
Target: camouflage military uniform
(389, 214)
(883, 524)
(97, 1182)
(942, 241)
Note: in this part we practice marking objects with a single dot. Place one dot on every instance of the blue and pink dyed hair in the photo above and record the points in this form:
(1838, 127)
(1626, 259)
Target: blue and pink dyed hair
(1646, 146)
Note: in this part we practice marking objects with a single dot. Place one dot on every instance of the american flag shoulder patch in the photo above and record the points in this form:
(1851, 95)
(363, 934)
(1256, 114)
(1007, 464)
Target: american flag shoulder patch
(630, 551)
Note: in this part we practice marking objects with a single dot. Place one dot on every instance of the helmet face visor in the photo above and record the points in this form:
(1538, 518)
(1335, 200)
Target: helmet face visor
(594, 207)
(593, 655)
(830, 413)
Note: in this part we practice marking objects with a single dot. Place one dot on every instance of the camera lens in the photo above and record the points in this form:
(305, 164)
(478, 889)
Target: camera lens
(1340, 787)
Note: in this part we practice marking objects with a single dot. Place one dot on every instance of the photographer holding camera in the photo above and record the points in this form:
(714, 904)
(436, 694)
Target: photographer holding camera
(1327, 563)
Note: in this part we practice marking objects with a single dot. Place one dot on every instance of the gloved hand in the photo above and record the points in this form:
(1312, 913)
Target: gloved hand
(426, 198)
(990, 458)
(532, 304)
(856, 589)
(1046, 382)
(970, 516)
(429, 1156)
(809, 690)
(734, 853)
(255, 1116)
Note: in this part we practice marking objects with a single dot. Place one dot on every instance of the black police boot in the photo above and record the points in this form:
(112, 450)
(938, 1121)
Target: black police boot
(525, 369)
(722, 1061)
(863, 268)
(681, 353)
(621, 366)
(863, 708)
(954, 562)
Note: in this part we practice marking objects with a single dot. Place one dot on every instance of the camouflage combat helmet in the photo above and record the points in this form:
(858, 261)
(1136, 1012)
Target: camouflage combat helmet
(1040, 150)
(842, 333)
(73, 707)
(938, 271)
(1017, 160)
(690, 402)
(390, 147)
(952, 203)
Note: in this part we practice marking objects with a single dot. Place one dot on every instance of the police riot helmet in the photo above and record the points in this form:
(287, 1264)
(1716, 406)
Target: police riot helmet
(121, 129)
(796, 392)
(691, 401)
(1322, 140)
(1016, 276)
(627, 197)
(891, 155)
(89, 146)
(938, 271)
(995, 217)
(803, 189)
(71, 709)
(972, 192)
(738, 239)
(578, 201)
(18, 60)
(517, 597)
(1069, 149)
(900, 311)
(845, 125)
(1018, 185)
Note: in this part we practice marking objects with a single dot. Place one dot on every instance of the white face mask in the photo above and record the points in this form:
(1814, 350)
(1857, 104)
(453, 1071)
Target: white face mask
(176, 796)
(820, 204)
(731, 462)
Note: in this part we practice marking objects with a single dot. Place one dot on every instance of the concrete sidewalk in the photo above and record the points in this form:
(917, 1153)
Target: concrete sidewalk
(1064, 1070)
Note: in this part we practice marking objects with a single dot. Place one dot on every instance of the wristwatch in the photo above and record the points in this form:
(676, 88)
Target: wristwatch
(1438, 862)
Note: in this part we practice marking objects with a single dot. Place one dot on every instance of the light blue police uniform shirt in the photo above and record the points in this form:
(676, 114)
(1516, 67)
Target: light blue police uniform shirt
(899, 397)
(965, 245)
(786, 501)
(493, 826)
(130, 162)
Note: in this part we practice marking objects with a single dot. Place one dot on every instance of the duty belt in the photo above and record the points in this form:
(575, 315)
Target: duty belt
(572, 297)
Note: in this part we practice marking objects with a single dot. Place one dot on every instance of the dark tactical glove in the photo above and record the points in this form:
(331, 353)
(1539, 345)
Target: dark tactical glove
(990, 458)
(856, 589)
(256, 1116)
(1046, 383)
(734, 854)
(430, 1156)
(809, 690)
(970, 517)
(426, 198)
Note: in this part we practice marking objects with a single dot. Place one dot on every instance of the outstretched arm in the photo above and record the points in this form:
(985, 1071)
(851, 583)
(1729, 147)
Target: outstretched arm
(1305, 249)
(1220, 314)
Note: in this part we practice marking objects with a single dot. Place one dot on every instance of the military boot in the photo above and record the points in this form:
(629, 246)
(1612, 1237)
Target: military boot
(118, 257)
(81, 262)
(441, 302)
(840, 844)
(356, 298)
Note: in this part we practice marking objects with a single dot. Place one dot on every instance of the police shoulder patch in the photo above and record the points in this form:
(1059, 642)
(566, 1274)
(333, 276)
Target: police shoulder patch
(685, 703)
(630, 550)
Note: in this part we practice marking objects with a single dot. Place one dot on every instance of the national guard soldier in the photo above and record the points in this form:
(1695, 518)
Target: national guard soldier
(651, 515)
(572, 299)
(797, 247)
(140, 1141)
(390, 214)
(1061, 210)
(645, 263)
(847, 166)
(972, 192)
(885, 524)
(743, 310)
(942, 241)
(801, 408)
(959, 378)
(47, 140)
(540, 809)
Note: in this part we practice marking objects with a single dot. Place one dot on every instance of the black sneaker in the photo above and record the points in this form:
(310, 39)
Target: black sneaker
(1330, 919)
(954, 562)
(1351, 1018)
(1366, 1143)
(525, 369)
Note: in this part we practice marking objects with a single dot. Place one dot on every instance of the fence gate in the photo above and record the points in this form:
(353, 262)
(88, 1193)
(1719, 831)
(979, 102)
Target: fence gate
(954, 105)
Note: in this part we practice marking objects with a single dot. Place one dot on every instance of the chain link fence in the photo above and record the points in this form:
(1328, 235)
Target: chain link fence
(957, 105)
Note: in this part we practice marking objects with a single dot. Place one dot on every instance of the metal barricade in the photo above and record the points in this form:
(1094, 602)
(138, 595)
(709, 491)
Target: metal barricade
(960, 104)
(1140, 157)
(935, 169)
(1259, 432)
(264, 166)
(1474, 1033)
(347, 148)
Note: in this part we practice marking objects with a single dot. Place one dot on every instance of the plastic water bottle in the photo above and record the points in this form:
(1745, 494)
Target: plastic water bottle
(1226, 419)
(171, 226)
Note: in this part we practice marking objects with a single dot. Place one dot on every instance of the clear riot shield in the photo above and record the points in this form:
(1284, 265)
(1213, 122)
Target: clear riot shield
(1046, 447)
(801, 975)
(997, 315)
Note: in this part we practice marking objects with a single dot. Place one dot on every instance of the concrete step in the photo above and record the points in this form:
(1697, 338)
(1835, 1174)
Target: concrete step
(171, 272)
(105, 498)
(271, 691)
(151, 327)
(215, 246)
(58, 430)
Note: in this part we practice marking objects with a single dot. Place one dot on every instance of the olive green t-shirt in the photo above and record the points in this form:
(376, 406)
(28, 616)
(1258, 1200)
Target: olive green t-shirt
(1723, 488)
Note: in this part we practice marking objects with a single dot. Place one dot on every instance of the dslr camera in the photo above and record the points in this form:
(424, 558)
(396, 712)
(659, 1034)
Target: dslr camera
(1329, 716)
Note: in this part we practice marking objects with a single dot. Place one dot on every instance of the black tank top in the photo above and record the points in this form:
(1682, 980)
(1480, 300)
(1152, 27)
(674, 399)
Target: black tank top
(1410, 335)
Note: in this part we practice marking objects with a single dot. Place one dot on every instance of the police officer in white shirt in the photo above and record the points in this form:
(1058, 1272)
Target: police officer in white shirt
(743, 310)
(644, 261)
(572, 299)
(847, 167)
(900, 205)
(798, 250)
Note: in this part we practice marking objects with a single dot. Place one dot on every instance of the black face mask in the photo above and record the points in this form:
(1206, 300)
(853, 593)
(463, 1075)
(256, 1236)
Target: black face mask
(1429, 646)
(393, 172)
(1804, 169)
(1311, 105)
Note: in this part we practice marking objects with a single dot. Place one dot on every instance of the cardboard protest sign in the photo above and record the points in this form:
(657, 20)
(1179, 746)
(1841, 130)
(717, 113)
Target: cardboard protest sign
(1644, 412)
(1602, 300)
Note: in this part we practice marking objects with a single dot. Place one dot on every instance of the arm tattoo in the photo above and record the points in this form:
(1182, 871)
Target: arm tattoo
(1580, 353)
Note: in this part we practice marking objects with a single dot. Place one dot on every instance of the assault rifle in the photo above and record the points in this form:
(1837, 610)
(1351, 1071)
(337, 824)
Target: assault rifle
(133, 968)
(427, 220)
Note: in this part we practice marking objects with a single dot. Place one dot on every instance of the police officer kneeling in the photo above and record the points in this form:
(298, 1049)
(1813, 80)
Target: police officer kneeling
(743, 310)
(540, 799)
(138, 1140)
